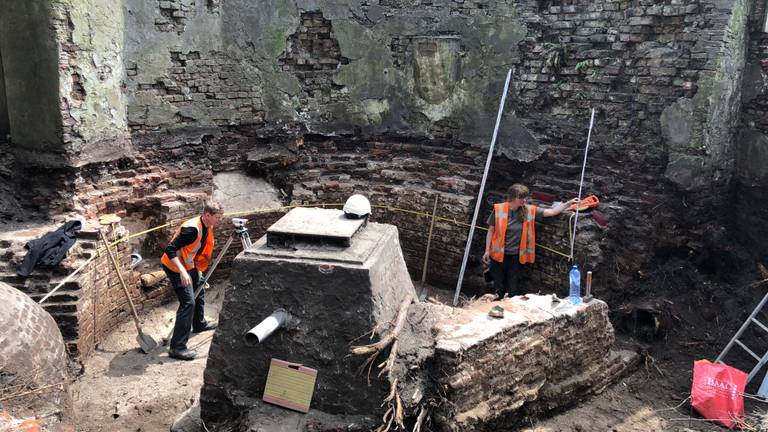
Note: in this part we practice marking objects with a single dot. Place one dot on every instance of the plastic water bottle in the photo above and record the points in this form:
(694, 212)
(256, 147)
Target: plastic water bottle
(575, 283)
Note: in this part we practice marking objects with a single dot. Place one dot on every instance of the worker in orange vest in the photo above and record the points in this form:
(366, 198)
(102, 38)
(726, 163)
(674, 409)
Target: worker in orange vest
(511, 239)
(188, 254)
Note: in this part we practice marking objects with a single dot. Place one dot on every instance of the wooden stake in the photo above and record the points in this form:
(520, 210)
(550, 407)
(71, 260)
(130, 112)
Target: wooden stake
(429, 242)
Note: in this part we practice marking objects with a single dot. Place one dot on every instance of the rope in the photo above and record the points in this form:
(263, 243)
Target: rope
(98, 251)
(583, 169)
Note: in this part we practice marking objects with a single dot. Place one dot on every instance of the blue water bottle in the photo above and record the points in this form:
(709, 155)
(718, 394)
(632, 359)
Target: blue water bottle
(575, 283)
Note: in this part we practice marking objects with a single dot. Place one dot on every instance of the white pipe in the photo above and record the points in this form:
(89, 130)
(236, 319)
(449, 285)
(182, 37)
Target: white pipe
(265, 328)
(482, 188)
(581, 183)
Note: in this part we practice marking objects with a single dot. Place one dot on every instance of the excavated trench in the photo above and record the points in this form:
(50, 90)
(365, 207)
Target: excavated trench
(146, 109)
(678, 307)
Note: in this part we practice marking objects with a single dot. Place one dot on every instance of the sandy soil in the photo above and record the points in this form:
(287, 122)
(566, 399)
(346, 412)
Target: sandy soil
(123, 389)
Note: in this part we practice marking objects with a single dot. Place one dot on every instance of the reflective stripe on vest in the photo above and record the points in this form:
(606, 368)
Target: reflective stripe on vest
(528, 237)
(189, 256)
(501, 215)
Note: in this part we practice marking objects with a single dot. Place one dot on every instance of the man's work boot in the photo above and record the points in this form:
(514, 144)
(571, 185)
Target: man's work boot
(185, 354)
(210, 325)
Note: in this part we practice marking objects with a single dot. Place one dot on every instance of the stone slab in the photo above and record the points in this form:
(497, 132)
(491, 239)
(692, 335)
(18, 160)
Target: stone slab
(356, 253)
(467, 328)
(313, 225)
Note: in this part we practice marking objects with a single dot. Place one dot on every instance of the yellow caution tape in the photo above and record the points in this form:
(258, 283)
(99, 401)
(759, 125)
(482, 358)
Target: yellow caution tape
(99, 250)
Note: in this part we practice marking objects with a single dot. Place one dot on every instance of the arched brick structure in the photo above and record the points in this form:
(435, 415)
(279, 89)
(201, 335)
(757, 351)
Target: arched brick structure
(32, 357)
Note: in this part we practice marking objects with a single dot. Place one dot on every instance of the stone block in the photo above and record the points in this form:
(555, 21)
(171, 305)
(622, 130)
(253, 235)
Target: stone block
(334, 295)
(539, 349)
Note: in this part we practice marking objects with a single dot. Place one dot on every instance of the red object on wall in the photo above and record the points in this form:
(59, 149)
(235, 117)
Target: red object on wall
(717, 392)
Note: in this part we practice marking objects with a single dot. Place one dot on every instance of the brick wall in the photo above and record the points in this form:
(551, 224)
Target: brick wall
(543, 362)
(751, 188)
(202, 87)
(32, 356)
(632, 59)
(89, 306)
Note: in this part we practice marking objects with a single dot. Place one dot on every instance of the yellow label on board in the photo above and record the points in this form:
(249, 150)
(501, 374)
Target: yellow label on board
(290, 385)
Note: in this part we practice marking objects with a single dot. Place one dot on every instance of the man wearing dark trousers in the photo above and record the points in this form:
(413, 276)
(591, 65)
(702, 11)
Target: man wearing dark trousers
(185, 258)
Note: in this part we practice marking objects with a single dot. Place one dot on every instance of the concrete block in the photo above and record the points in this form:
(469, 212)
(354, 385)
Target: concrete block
(334, 295)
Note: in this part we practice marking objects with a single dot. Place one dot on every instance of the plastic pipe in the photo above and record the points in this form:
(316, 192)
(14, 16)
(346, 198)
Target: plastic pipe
(265, 328)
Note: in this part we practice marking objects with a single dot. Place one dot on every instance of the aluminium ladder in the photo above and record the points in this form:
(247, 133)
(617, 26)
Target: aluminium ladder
(761, 361)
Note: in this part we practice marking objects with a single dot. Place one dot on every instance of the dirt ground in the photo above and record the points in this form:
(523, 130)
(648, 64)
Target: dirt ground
(123, 389)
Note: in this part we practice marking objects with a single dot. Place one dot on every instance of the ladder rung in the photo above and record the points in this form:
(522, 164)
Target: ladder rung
(747, 350)
(762, 326)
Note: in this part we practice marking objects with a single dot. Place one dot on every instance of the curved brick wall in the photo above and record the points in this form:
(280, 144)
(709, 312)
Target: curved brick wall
(399, 102)
(32, 354)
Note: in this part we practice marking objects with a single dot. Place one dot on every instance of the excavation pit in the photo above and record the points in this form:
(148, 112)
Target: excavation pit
(484, 372)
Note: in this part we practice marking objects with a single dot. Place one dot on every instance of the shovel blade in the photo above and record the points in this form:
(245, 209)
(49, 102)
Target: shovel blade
(146, 343)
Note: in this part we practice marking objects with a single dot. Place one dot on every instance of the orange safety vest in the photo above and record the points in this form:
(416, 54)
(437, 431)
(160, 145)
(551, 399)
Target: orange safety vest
(190, 255)
(527, 239)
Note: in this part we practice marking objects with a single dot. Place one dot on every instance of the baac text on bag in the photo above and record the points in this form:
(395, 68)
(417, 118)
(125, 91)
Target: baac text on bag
(717, 392)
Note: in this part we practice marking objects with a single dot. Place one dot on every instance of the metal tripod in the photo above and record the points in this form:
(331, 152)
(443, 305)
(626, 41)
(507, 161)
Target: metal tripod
(240, 232)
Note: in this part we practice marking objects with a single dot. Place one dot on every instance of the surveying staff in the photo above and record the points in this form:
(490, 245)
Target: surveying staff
(188, 254)
(511, 239)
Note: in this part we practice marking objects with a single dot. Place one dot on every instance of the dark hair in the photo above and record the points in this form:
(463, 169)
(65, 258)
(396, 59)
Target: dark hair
(213, 207)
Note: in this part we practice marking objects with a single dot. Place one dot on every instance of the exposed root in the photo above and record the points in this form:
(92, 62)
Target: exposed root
(13, 395)
(420, 419)
(386, 367)
(391, 338)
(395, 412)
(399, 412)
(377, 347)
(392, 392)
(650, 361)
(386, 421)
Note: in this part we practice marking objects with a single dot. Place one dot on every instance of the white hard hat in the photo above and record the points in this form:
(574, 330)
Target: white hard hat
(357, 206)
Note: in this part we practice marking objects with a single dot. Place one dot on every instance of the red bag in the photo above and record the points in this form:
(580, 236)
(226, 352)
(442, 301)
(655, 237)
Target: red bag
(717, 392)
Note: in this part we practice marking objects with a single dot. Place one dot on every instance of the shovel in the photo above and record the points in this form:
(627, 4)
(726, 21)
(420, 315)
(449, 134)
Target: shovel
(146, 342)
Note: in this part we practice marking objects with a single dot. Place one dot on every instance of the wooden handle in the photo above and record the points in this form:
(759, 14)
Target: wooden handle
(120, 276)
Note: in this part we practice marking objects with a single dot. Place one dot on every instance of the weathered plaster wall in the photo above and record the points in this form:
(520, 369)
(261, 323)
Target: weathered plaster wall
(91, 77)
(398, 99)
(29, 60)
(173, 59)
(322, 67)
(752, 140)
(64, 77)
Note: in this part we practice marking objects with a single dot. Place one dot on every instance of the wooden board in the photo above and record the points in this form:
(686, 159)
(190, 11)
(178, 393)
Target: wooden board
(290, 385)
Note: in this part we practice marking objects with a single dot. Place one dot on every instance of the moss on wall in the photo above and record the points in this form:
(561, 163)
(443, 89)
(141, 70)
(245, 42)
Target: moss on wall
(376, 91)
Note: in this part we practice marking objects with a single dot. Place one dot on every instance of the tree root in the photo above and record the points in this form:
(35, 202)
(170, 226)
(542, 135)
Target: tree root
(395, 412)
(377, 347)
(420, 419)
